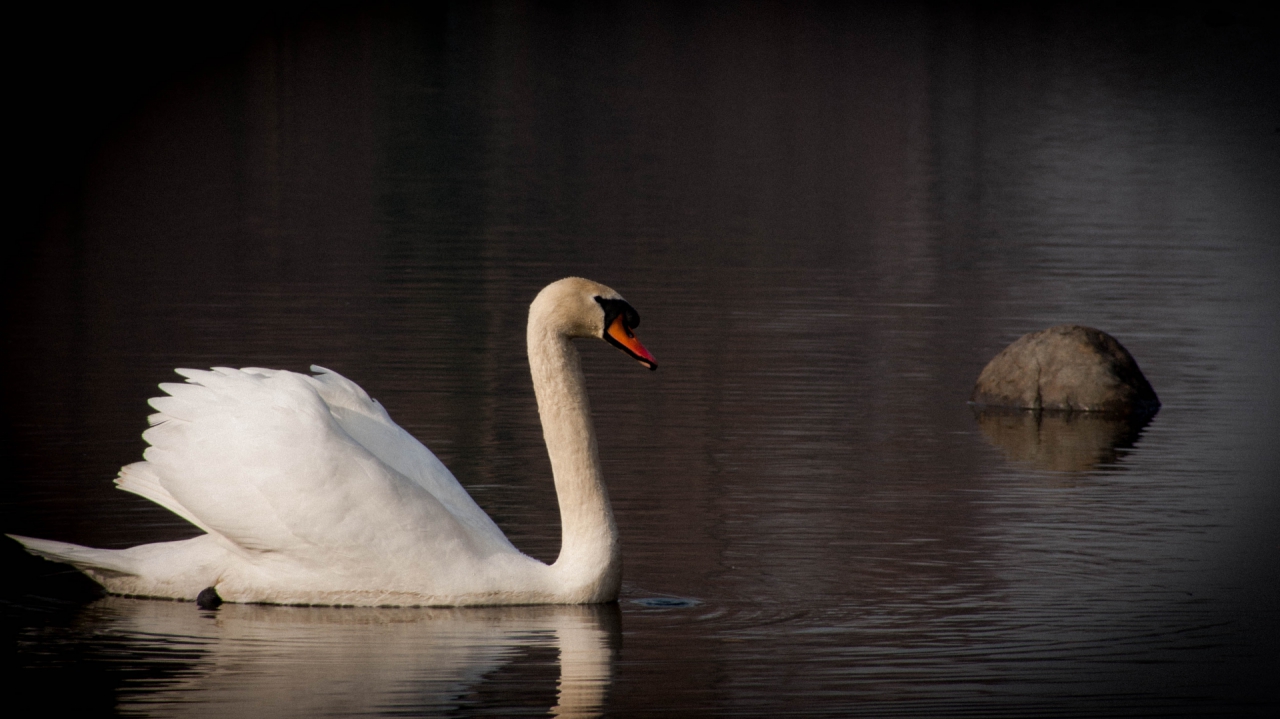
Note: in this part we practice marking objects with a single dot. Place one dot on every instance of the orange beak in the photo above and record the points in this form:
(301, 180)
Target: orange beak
(622, 336)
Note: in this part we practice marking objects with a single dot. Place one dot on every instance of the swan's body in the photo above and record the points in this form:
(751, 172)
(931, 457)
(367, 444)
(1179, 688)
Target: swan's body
(310, 494)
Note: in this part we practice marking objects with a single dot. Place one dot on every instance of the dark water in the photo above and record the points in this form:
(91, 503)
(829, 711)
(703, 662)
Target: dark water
(829, 220)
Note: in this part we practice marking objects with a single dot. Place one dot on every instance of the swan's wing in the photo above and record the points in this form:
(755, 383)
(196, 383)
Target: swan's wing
(260, 459)
(365, 419)
(141, 479)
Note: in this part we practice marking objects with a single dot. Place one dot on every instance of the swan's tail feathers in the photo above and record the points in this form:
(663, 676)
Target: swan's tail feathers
(177, 570)
(141, 479)
(97, 563)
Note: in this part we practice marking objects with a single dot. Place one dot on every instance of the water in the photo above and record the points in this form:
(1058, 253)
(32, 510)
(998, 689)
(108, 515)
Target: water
(829, 220)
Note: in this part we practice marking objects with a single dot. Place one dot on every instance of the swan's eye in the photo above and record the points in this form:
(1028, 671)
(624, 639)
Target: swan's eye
(619, 308)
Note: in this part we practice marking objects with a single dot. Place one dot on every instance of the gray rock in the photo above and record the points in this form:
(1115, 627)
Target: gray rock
(1066, 368)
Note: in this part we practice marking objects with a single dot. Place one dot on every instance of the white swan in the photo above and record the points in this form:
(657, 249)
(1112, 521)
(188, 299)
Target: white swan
(310, 494)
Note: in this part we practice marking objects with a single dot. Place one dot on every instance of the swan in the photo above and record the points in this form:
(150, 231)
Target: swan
(308, 493)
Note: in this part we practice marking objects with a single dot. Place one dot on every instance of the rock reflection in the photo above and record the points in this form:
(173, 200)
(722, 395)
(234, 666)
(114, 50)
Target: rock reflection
(323, 661)
(1059, 441)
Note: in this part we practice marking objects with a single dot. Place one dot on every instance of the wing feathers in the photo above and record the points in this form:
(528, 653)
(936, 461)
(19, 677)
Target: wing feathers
(142, 480)
(277, 461)
(367, 421)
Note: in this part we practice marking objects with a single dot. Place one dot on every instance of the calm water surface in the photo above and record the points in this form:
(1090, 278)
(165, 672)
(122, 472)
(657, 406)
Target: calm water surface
(829, 221)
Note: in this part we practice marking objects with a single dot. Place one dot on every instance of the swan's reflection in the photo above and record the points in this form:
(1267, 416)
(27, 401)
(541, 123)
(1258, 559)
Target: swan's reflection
(255, 660)
(1059, 441)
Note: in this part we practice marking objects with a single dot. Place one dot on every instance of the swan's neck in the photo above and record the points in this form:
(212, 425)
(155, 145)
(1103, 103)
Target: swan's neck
(590, 564)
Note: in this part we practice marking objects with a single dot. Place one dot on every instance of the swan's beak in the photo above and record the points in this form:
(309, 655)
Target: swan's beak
(620, 335)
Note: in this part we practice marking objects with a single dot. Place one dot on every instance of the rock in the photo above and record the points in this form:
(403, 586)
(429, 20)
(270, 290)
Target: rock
(1068, 367)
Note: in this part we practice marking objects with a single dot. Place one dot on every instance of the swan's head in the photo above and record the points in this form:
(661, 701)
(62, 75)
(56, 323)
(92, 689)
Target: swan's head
(574, 307)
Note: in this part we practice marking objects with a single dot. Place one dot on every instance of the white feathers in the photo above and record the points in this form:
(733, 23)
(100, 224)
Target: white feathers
(141, 479)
